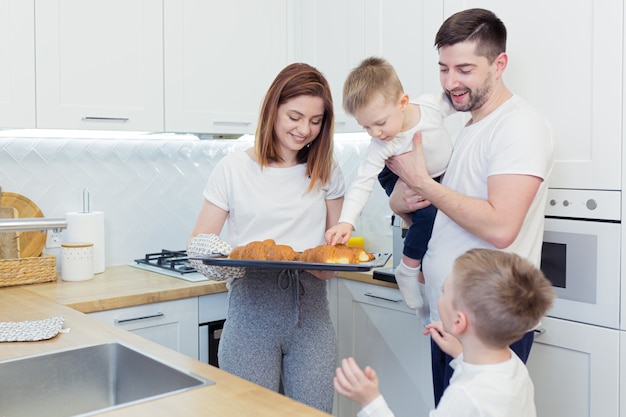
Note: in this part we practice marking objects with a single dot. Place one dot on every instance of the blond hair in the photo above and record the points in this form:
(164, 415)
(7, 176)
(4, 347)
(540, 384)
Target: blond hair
(504, 294)
(374, 76)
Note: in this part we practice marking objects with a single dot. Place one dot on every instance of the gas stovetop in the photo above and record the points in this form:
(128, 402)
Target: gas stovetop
(171, 263)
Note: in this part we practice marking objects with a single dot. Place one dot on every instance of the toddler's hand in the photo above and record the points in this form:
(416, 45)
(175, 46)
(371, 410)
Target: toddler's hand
(339, 233)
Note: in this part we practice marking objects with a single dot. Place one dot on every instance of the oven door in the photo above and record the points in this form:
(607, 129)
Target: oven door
(582, 260)
(209, 342)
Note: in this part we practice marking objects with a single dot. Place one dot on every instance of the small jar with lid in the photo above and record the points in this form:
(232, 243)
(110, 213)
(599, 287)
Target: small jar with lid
(76, 261)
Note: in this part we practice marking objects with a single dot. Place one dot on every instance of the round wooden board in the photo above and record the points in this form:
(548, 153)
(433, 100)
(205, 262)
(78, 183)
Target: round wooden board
(31, 243)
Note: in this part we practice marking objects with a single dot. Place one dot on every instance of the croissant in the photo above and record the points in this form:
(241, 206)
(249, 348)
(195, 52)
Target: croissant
(266, 250)
(336, 254)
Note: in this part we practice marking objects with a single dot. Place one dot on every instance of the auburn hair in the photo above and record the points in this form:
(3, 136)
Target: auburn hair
(296, 80)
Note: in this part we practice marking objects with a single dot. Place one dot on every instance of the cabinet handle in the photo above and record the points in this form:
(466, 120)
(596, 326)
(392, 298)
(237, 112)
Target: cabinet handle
(393, 300)
(104, 119)
(151, 316)
(231, 123)
(539, 331)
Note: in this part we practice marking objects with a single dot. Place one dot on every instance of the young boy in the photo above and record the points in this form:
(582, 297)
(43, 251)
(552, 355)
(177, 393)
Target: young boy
(490, 300)
(374, 96)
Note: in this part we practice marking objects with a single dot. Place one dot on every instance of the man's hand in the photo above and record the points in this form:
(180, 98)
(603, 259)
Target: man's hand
(411, 166)
(404, 200)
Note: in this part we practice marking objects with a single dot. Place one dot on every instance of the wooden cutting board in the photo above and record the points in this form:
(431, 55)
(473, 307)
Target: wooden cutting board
(9, 242)
(31, 244)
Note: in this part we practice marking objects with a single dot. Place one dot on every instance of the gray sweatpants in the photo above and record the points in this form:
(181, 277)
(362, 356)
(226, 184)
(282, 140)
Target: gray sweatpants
(279, 327)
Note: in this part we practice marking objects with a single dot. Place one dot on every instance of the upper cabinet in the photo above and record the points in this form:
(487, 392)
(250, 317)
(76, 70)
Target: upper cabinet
(220, 59)
(17, 66)
(330, 35)
(571, 70)
(99, 64)
(335, 36)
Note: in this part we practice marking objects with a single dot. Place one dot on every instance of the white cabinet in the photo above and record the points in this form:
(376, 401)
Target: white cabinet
(409, 47)
(335, 36)
(377, 329)
(220, 59)
(173, 324)
(330, 35)
(575, 370)
(99, 64)
(576, 83)
(622, 375)
(17, 66)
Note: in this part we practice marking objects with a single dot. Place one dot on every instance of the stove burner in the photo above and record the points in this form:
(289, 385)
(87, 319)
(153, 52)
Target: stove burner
(176, 261)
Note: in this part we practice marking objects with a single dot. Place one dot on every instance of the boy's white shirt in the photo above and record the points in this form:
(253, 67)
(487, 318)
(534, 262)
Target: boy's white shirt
(437, 150)
(494, 390)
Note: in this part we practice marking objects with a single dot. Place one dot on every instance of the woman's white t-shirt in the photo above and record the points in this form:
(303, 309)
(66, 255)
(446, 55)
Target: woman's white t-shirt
(271, 203)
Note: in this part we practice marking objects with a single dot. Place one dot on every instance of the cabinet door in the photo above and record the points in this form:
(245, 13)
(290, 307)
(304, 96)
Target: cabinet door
(220, 58)
(574, 368)
(330, 35)
(99, 64)
(173, 324)
(408, 47)
(575, 80)
(17, 68)
(377, 330)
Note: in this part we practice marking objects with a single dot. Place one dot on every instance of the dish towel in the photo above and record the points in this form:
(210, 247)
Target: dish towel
(30, 331)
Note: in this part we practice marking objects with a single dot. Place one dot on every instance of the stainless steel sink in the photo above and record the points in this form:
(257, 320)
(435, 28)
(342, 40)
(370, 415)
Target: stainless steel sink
(87, 380)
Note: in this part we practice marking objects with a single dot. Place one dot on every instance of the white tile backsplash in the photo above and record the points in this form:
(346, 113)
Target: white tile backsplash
(150, 190)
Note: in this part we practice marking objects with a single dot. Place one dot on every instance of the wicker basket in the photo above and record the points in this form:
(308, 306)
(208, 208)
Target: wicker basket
(28, 270)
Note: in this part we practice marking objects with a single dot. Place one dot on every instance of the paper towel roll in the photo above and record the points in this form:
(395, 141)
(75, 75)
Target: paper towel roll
(88, 227)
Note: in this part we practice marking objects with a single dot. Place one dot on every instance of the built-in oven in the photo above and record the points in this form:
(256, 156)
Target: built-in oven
(581, 255)
(212, 310)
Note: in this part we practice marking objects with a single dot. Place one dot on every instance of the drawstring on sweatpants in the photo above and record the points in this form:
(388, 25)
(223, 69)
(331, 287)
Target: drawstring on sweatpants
(289, 278)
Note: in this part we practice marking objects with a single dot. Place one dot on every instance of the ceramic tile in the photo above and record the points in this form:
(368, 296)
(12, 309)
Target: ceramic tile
(150, 190)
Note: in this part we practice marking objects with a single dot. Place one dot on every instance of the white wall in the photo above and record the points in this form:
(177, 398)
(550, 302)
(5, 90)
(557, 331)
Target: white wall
(150, 190)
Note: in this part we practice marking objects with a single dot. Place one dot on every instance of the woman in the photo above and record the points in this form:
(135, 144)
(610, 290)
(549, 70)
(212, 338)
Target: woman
(287, 188)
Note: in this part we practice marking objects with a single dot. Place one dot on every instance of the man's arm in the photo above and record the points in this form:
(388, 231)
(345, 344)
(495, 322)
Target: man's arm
(496, 220)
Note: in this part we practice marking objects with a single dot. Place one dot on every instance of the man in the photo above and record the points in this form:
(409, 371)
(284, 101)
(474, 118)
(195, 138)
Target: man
(494, 191)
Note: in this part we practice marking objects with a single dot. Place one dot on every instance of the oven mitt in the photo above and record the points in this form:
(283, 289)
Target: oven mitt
(31, 331)
(211, 244)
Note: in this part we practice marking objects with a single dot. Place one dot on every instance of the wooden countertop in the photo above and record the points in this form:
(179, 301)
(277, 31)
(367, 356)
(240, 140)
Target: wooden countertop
(230, 396)
(122, 286)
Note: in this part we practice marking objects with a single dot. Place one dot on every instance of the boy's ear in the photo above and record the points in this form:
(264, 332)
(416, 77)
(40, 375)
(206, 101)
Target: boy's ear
(460, 323)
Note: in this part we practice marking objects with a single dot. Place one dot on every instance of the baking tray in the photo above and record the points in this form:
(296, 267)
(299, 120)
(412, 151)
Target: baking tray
(380, 261)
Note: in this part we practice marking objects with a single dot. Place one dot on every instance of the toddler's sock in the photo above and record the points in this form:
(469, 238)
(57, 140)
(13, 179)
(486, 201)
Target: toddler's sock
(406, 277)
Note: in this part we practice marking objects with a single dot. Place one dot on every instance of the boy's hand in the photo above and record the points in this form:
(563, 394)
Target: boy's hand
(447, 342)
(358, 385)
(339, 233)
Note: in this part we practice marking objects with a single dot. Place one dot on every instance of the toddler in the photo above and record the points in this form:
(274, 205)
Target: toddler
(374, 96)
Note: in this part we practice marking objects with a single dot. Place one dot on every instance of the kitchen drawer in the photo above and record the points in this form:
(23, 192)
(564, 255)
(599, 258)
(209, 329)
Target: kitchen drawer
(173, 324)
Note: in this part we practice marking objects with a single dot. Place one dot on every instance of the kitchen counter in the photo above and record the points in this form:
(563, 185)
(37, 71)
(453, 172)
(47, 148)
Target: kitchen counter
(122, 286)
(230, 396)
(125, 286)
